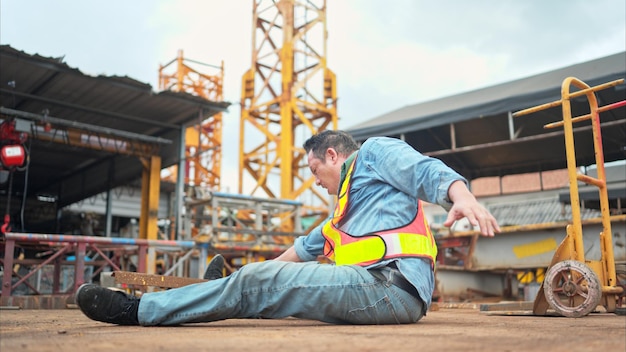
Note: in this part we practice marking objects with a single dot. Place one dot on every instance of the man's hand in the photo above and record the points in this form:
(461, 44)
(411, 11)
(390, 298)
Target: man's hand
(465, 205)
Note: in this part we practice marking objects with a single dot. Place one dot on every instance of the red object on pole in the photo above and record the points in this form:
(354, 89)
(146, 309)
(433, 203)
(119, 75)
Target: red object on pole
(12, 155)
(6, 226)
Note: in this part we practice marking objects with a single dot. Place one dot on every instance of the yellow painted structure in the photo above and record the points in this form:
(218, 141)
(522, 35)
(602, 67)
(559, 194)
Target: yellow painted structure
(287, 95)
(203, 141)
(538, 247)
(150, 188)
(574, 277)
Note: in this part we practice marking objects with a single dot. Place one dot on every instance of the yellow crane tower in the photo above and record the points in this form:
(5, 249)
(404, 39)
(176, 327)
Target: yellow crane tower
(203, 149)
(287, 95)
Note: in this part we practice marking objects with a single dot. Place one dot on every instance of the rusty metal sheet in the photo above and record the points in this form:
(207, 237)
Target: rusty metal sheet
(534, 246)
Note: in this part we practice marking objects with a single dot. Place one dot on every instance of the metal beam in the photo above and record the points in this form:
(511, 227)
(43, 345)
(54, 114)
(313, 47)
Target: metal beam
(519, 140)
(78, 126)
(92, 110)
(150, 180)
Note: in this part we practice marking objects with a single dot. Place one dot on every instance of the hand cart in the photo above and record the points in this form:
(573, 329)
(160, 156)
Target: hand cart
(573, 286)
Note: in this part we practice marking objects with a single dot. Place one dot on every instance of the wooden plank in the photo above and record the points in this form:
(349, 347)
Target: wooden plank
(130, 278)
(521, 313)
(510, 313)
(507, 306)
(523, 308)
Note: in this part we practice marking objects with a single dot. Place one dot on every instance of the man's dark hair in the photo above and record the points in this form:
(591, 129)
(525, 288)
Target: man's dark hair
(341, 141)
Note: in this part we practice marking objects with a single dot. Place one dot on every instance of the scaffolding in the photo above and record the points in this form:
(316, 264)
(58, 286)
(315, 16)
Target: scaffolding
(287, 95)
(242, 228)
(203, 141)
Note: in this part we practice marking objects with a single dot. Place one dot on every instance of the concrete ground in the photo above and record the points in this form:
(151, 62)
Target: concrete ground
(447, 329)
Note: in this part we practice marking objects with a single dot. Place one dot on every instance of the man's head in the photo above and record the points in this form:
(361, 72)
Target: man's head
(326, 152)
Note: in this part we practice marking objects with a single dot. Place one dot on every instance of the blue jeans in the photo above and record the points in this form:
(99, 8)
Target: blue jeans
(276, 289)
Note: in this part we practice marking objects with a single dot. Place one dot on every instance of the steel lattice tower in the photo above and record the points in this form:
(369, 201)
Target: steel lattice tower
(203, 141)
(287, 95)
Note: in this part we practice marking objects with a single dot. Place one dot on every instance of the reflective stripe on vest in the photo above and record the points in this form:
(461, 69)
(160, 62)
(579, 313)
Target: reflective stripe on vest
(412, 240)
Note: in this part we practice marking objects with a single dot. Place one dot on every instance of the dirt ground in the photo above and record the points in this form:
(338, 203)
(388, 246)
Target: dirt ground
(443, 330)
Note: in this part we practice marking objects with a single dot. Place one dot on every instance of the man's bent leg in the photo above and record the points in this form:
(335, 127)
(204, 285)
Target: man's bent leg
(215, 269)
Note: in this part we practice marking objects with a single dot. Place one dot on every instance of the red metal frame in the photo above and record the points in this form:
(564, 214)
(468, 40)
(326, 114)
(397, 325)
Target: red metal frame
(60, 245)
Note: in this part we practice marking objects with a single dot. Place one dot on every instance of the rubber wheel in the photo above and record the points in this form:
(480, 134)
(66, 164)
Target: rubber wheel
(572, 289)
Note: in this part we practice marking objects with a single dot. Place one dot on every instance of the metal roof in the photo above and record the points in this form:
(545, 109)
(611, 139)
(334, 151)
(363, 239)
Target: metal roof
(538, 211)
(473, 133)
(101, 106)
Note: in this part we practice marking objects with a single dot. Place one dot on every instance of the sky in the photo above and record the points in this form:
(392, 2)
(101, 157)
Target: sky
(386, 54)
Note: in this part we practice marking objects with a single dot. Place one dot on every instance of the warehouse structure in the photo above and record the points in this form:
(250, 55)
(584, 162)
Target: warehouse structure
(474, 132)
(87, 135)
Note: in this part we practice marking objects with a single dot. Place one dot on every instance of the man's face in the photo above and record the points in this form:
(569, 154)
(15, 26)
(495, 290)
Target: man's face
(327, 172)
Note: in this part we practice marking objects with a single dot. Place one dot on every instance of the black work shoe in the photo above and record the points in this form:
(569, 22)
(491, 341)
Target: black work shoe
(215, 269)
(102, 304)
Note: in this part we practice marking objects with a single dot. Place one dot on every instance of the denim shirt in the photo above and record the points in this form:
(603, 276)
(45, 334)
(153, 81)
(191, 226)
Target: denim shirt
(388, 177)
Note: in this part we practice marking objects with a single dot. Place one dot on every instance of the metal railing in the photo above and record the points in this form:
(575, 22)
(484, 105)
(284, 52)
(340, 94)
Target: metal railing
(113, 253)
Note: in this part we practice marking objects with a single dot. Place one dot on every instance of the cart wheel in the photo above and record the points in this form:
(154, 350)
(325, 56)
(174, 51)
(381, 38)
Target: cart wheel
(572, 288)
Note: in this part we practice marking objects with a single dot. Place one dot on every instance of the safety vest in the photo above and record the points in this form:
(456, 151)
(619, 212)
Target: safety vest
(412, 240)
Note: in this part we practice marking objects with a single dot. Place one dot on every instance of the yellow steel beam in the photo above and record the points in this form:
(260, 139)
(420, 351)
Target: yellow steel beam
(150, 188)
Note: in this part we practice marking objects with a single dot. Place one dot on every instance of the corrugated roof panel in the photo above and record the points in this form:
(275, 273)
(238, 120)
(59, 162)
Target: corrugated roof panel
(540, 211)
(591, 70)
